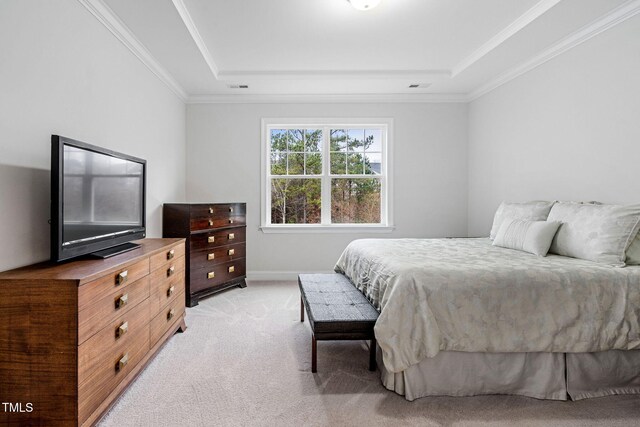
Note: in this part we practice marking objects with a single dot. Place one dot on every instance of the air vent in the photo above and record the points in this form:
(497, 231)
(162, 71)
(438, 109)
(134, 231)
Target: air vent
(419, 85)
(238, 86)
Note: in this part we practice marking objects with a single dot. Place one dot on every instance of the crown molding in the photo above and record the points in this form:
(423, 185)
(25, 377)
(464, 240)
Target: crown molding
(610, 20)
(424, 76)
(195, 35)
(109, 19)
(525, 19)
(329, 99)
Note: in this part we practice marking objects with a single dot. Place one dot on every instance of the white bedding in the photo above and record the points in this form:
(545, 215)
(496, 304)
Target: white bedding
(467, 295)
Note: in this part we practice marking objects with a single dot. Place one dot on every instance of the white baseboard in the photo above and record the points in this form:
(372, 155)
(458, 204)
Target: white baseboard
(278, 275)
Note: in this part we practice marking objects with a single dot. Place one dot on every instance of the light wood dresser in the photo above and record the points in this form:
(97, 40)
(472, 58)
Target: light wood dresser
(73, 336)
(216, 245)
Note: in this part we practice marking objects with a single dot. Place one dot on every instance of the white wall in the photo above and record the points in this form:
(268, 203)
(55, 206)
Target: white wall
(430, 179)
(567, 130)
(62, 72)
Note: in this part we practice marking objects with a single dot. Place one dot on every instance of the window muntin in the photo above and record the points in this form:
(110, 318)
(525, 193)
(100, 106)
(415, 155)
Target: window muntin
(324, 175)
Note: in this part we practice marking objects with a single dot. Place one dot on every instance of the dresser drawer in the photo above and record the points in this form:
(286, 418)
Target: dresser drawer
(197, 224)
(217, 255)
(99, 314)
(217, 210)
(110, 372)
(103, 346)
(165, 291)
(108, 284)
(204, 278)
(166, 319)
(217, 238)
(166, 257)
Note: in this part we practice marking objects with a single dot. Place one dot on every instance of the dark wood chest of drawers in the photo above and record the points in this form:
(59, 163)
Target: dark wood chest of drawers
(216, 245)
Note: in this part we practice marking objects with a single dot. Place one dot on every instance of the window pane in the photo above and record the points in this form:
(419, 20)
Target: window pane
(338, 163)
(313, 164)
(354, 164)
(355, 201)
(296, 140)
(296, 163)
(338, 140)
(372, 163)
(278, 164)
(312, 140)
(373, 140)
(356, 140)
(295, 201)
(278, 140)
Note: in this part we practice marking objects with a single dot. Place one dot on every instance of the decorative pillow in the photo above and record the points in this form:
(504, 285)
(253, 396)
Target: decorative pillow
(633, 253)
(529, 236)
(600, 233)
(531, 211)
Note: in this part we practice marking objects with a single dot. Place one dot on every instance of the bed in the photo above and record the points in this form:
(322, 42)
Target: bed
(463, 317)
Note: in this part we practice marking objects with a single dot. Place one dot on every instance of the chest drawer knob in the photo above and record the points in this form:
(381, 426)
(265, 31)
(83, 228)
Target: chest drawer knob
(231, 252)
(210, 223)
(122, 277)
(211, 239)
(232, 236)
(170, 271)
(230, 221)
(232, 269)
(122, 362)
(210, 210)
(211, 275)
(122, 329)
(170, 291)
(230, 208)
(122, 301)
(171, 254)
(211, 256)
(170, 314)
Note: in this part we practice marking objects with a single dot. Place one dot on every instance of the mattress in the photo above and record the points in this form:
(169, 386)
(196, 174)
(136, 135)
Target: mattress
(467, 295)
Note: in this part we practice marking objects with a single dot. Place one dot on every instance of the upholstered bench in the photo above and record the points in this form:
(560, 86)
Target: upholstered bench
(336, 311)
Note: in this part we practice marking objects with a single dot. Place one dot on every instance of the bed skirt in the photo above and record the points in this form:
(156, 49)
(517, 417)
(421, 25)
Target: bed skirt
(556, 376)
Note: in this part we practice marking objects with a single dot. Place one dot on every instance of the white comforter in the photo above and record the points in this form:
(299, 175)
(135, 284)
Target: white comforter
(467, 295)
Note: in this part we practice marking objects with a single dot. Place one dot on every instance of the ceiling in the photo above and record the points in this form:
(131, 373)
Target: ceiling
(454, 50)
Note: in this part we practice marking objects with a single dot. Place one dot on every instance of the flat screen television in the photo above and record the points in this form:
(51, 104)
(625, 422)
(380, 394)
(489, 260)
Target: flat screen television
(97, 200)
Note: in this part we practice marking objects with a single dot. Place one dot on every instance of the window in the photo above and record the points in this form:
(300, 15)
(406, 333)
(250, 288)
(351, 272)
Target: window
(326, 175)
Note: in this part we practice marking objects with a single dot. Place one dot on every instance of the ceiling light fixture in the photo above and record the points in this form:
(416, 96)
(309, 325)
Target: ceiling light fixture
(364, 4)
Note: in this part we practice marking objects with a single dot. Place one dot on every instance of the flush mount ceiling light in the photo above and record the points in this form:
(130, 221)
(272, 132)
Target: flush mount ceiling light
(364, 4)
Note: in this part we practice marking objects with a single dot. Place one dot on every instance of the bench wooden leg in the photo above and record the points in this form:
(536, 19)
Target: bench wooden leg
(301, 309)
(314, 354)
(372, 355)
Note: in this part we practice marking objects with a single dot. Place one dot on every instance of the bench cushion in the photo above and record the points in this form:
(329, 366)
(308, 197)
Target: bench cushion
(336, 309)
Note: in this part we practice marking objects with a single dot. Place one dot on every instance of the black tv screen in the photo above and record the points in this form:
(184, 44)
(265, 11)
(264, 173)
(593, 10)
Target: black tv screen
(97, 198)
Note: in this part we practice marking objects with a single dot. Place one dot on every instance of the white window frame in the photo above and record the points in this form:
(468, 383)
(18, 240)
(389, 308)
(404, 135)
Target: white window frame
(386, 176)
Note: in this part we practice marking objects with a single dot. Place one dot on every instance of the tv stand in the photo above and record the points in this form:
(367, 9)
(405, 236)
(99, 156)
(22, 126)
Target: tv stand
(116, 250)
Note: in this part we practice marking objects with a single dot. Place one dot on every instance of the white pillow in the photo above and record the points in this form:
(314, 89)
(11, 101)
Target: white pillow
(600, 233)
(531, 211)
(529, 236)
(633, 253)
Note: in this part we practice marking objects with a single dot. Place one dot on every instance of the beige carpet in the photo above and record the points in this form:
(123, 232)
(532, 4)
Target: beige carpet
(245, 360)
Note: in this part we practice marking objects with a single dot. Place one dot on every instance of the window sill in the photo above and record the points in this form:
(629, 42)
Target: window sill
(334, 228)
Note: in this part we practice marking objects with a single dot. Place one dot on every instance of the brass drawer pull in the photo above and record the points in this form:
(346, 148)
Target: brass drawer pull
(122, 301)
(211, 256)
(122, 362)
(210, 223)
(231, 252)
(230, 221)
(232, 236)
(211, 275)
(122, 329)
(170, 314)
(230, 208)
(232, 269)
(122, 277)
(170, 291)
(211, 239)
(211, 210)
(171, 254)
(170, 271)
